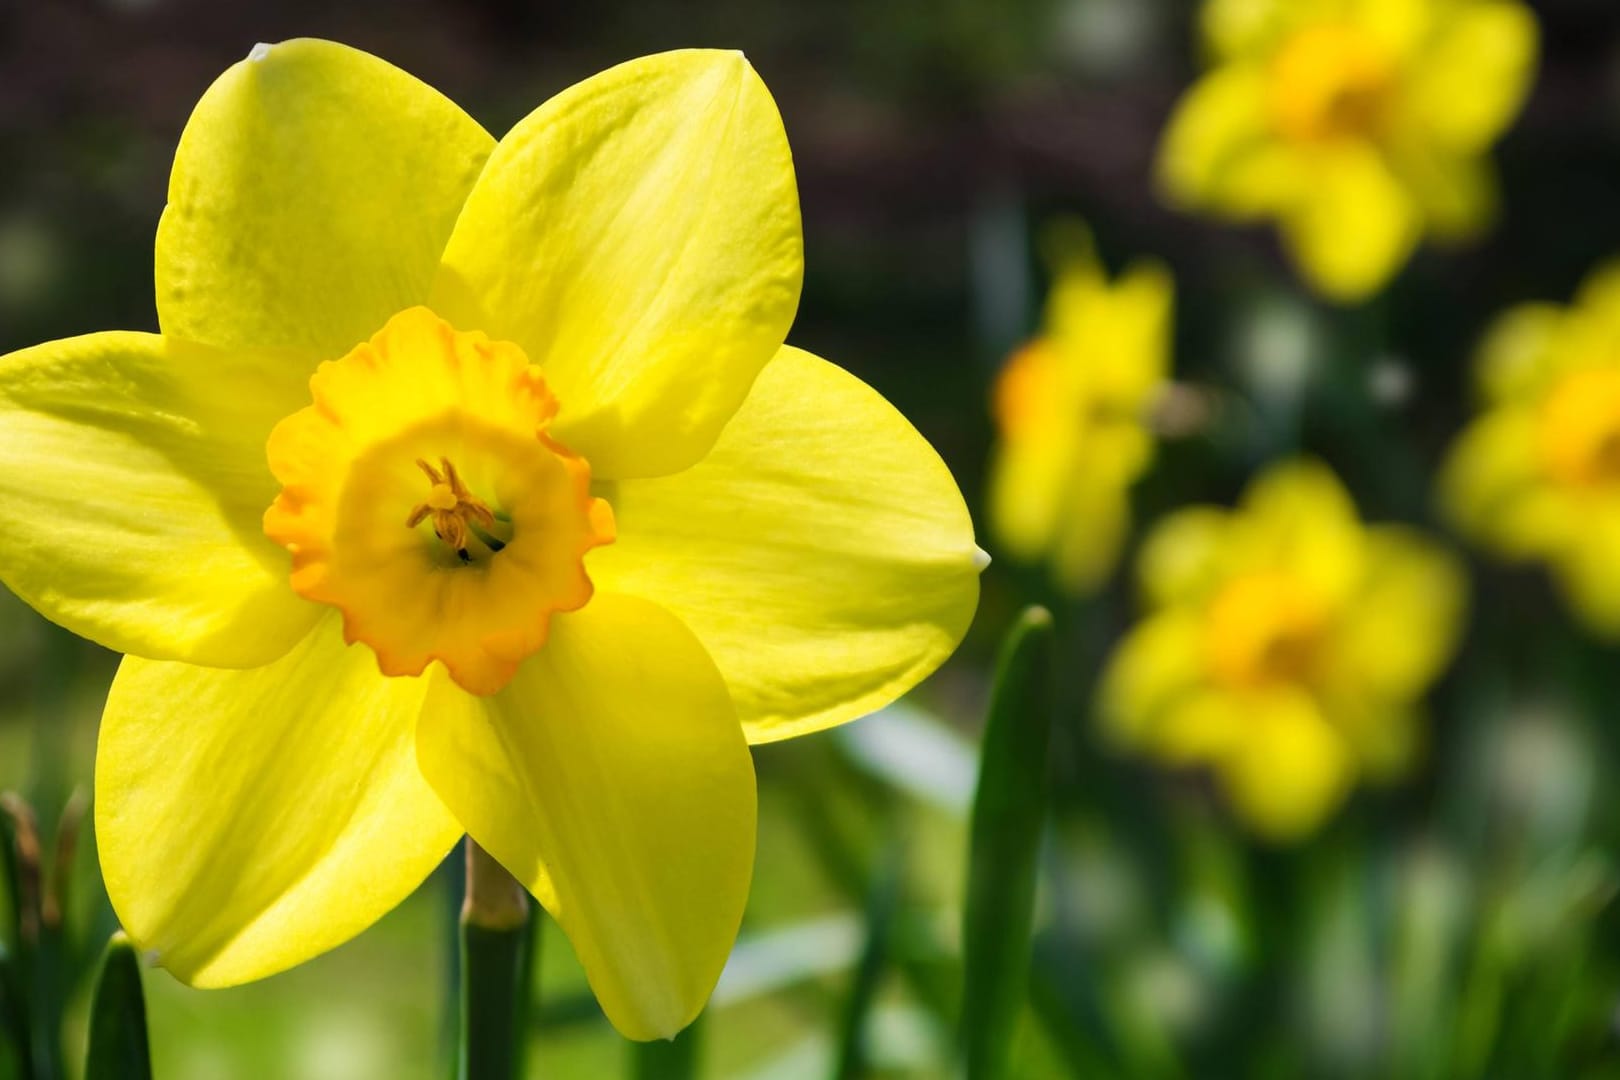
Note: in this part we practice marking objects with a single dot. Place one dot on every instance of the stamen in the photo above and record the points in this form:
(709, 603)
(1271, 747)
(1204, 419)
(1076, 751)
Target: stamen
(454, 511)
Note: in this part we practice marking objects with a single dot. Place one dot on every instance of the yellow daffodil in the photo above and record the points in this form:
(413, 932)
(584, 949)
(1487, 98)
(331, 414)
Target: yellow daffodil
(1071, 410)
(1356, 125)
(469, 487)
(1285, 646)
(1537, 476)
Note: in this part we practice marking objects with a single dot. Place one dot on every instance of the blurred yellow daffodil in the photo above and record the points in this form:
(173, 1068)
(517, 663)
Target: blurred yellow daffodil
(1285, 646)
(1356, 125)
(1071, 410)
(469, 487)
(1537, 476)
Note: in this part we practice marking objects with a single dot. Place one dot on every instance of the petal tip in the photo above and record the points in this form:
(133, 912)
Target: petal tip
(981, 559)
(260, 51)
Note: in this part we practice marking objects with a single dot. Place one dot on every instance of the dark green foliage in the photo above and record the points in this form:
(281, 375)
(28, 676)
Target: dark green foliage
(1009, 812)
(118, 1043)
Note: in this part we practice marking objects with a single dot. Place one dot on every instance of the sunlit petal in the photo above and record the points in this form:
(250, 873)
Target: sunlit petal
(133, 476)
(312, 194)
(250, 820)
(1290, 769)
(1157, 665)
(821, 552)
(1472, 78)
(611, 778)
(1354, 223)
(638, 235)
(1403, 625)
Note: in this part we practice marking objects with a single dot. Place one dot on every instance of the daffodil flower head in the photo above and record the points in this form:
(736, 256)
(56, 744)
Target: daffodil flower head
(1358, 126)
(469, 488)
(452, 580)
(1285, 647)
(1072, 411)
(1536, 476)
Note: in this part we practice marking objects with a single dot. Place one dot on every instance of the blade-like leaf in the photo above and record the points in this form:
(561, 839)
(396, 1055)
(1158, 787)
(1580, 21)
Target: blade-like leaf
(880, 910)
(1009, 811)
(16, 1039)
(118, 1043)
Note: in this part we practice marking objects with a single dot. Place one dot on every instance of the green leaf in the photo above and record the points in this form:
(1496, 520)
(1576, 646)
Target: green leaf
(880, 910)
(1009, 811)
(10, 875)
(16, 1038)
(118, 1044)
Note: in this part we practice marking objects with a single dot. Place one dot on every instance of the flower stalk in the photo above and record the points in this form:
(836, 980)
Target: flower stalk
(668, 1059)
(496, 961)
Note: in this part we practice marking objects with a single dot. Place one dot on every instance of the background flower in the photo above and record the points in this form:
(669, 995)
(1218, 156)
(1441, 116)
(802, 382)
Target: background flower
(1536, 477)
(1072, 409)
(1357, 126)
(1285, 646)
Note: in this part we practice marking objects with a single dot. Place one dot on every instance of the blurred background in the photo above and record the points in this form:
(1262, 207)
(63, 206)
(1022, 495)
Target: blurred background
(1458, 922)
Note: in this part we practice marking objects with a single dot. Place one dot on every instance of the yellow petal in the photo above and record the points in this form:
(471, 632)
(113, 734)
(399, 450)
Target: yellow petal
(1097, 518)
(133, 477)
(1115, 337)
(1266, 182)
(822, 552)
(638, 235)
(1182, 559)
(1473, 74)
(1202, 728)
(1599, 295)
(1353, 225)
(250, 820)
(1403, 28)
(1157, 665)
(1384, 736)
(1059, 473)
(1456, 193)
(1402, 627)
(1521, 353)
(1290, 770)
(312, 194)
(1233, 28)
(1029, 483)
(611, 778)
(1492, 485)
(1299, 520)
(1587, 570)
(1219, 126)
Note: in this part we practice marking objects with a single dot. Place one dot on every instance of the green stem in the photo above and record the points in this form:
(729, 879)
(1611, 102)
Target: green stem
(668, 1059)
(495, 962)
